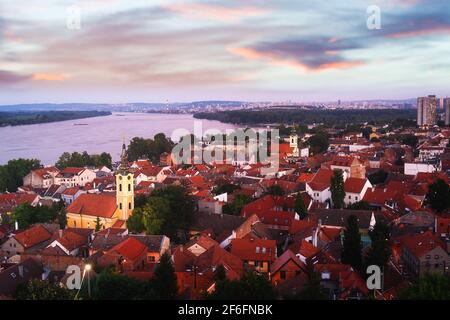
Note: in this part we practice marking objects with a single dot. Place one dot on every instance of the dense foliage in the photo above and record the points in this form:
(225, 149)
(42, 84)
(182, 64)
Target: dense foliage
(84, 159)
(34, 117)
(236, 206)
(438, 196)
(43, 290)
(310, 116)
(351, 251)
(140, 148)
(167, 211)
(429, 287)
(337, 189)
(12, 173)
(27, 215)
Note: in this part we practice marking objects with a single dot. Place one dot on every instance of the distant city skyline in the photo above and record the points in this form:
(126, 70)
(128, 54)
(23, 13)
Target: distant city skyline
(158, 51)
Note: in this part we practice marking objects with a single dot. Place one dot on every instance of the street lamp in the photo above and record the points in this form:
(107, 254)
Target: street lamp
(87, 269)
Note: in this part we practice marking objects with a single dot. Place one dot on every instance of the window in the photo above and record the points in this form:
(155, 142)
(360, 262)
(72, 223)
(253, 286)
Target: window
(264, 250)
(129, 205)
(257, 249)
(283, 274)
(129, 187)
(120, 187)
(120, 206)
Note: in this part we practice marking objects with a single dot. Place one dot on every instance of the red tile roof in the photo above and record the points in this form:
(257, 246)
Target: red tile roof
(33, 236)
(97, 205)
(321, 180)
(282, 260)
(422, 243)
(71, 191)
(254, 249)
(354, 185)
(130, 249)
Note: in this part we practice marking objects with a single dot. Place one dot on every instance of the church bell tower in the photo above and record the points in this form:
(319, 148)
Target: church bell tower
(124, 187)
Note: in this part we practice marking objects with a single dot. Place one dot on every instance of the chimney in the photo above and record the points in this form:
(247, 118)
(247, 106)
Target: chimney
(60, 232)
(16, 225)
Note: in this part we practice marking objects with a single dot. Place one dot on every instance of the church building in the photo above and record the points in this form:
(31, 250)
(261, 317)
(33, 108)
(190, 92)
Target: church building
(110, 209)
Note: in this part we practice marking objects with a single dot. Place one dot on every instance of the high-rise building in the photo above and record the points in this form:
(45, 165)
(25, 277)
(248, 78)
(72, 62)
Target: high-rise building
(446, 105)
(427, 111)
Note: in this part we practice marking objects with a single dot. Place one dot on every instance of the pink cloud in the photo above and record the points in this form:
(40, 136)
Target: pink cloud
(49, 77)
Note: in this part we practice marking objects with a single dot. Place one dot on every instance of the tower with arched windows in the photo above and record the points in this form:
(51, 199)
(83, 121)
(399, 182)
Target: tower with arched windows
(124, 187)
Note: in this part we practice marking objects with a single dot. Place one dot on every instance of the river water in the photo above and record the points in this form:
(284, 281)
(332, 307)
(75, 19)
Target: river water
(48, 141)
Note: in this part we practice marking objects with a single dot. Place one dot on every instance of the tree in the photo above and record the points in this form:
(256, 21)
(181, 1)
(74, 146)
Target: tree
(220, 273)
(135, 222)
(360, 205)
(318, 143)
(26, 215)
(300, 207)
(37, 289)
(312, 289)
(275, 190)
(337, 189)
(84, 159)
(225, 188)
(410, 140)
(438, 196)
(378, 177)
(156, 216)
(12, 174)
(170, 213)
(61, 214)
(429, 287)
(351, 251)
(235, 208)
(98, 224)
(379, 251)
(251, 286)
(109, 285)
(164, 283)
(149, 148)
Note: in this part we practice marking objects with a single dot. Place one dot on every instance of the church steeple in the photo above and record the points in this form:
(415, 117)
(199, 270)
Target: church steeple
(124, 186)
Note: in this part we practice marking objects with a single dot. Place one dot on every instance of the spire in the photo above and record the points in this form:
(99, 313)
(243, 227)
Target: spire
(123, 167)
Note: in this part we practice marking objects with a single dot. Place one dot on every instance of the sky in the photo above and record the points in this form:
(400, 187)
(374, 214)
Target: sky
(249, 50)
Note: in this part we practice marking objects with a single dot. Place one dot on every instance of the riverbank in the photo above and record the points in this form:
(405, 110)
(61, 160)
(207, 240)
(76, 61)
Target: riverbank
(11, 118)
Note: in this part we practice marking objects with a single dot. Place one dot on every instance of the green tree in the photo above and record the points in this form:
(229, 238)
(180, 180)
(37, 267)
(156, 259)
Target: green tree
(12, 174)
(26, 215)
(164, 283)
(312, 289)
(109, 285)
(42, 290)
(220, 273)
(337, 189)
(275, 190)
(318, 143)
(410, 140)
(251, 286)
(438, 196)
(351, 251)
(98, 224)
(360, 205)
(135, 222)
(300, 207)
(429, 287)
(379, 251)
(225, 188)
(156, 216)
(235, 208)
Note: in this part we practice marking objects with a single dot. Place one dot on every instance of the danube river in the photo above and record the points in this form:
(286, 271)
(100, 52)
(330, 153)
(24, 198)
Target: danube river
(48, 141)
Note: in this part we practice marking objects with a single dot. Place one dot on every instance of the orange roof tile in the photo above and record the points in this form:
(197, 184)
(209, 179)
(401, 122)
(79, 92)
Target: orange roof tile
(97, 205)
(33, 236)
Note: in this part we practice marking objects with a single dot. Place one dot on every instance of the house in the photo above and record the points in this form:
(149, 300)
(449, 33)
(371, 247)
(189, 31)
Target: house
(340, 282)
(352, 166)
(12, 277)
(157, 245)
(355, 189)
(285, 267)
(75, 177)
(318, 187)
(71, 194)
(423, 253)
(26, 240)
(255, 253)
(41, 178)
(128, 255)
(72, 241)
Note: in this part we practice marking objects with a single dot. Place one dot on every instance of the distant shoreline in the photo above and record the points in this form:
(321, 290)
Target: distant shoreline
(19, 118)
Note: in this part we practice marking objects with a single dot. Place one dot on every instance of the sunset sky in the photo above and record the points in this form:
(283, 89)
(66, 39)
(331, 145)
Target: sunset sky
(153, 51)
